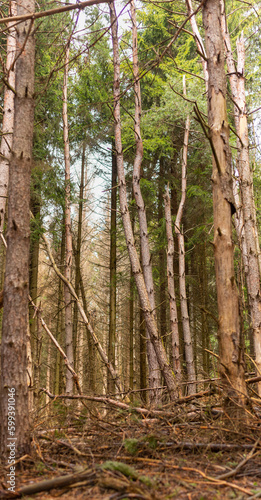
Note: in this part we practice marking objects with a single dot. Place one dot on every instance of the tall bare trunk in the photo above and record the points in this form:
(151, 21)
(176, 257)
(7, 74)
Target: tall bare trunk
(60, 318)
(175, 354)
(113, 248)
(15, 316)
(162, 262)
(142, 357)
(8, 114)
(182, 274)
(68, 234)
(231, 355)
(154, 371)
(77, 256)
(247, 228)
(139, 279)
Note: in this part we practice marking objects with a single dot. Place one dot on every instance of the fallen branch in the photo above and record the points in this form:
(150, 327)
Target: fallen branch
(241, 464)
(48, 484)
(112, 402)
(215, 447)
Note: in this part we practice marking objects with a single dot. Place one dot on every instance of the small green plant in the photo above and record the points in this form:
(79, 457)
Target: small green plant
(151, 441)
(131, 445)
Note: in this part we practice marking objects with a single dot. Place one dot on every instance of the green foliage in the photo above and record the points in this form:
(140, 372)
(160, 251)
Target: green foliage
(127, 471)
(131, 445)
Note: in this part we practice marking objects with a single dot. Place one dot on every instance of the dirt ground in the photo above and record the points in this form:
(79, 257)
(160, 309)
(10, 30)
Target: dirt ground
(193, 452)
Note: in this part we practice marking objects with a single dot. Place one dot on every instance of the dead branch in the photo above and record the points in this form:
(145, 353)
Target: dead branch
(234, 472)
(97, 344)
(57, 345)
(48, 484)
(45, 13)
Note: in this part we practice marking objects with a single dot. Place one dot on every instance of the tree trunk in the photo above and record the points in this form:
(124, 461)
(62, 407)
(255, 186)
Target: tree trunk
(33, 271)
(175, 354)
(131, 332)
(143, 364)
(77, 255)
(139, 279)
(248, 235)
(113, 248)
(230, 351)
(68, 234)
(189, 355)
(60, 322)
(162, 263)
(8, 114)
(154, 371)
(16, 285)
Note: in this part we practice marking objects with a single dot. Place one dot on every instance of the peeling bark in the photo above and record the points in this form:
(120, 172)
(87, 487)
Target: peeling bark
(247, 226)
(230, 350)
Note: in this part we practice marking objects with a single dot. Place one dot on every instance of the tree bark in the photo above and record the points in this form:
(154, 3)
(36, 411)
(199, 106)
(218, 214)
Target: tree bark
(113, 261)
(175, 354)
(68, 234)
(16, 285)
(139, 279)
(247, 228)
(154, 371)
(189, 355)
(162, 261)
(33, 271)
(77, 254)
(8, 114)
(230, 352)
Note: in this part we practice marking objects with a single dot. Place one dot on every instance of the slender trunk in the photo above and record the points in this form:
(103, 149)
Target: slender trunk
(33, 272)
(37, 360)
(143, 364)
(175, 354)
(15, 316)
(68, 234)
(248, 235)
(154, 371)
(162, 263)
(131, 324)
(91, 346)
(8, 114)
(230, 351)
(131, 332)
(139, 279)
(113, 248)
(189, 356)
(48, 373)
(77, 255)
(30, 375)
(198, 40)
(59, 320)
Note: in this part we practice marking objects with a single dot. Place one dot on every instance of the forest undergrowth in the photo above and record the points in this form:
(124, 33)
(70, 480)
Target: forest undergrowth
(191, 450)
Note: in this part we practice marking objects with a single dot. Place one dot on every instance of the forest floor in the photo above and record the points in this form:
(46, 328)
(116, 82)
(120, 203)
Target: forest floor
(191, 452)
